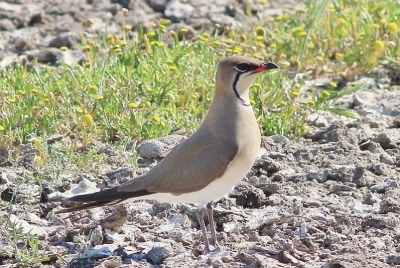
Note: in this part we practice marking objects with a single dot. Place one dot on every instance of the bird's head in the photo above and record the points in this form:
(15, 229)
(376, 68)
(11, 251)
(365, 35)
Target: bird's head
(235, 75)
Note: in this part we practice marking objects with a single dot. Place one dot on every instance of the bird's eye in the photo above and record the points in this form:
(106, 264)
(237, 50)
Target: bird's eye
(242, 68)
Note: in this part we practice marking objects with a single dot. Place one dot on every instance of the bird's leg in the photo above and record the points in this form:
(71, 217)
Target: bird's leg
(210, 209)
(200, 218)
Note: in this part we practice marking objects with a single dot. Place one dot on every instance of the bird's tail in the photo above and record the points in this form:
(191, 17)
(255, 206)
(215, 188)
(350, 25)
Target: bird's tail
(107, 197)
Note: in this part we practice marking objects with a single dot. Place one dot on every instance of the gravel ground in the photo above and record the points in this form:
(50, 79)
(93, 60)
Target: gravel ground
(329, 199)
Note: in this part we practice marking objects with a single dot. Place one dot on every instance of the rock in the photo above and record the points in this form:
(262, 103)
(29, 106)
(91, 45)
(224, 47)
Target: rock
(97, 236)
(159, 207)
(158, 147)
(110, 262)
(98, 252)
(157, 255)
(385, 141)
(28, 228)
(381, 188)
(394, 259)
(8, 60)
(317, 120)
(7, 25)
(8, 195)
(120, 175)
(390, 201)
(268, 164)
(386, 159)
(177, 11)
(158, 5)
(47, 55)
(381, 169)
(335, 133)
(24, 39)
(65, 39)
(269, 188)
(250, 199)
(370, 199)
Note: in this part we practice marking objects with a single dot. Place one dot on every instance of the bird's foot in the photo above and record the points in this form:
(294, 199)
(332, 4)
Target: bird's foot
(216, 245)
(207, 249)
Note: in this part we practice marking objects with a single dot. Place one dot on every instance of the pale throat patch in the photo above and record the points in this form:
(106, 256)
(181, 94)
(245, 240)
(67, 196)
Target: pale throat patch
(243, 85)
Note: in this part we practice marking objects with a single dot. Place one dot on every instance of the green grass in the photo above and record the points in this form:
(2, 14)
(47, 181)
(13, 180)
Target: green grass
(146, 88)
(157, 84)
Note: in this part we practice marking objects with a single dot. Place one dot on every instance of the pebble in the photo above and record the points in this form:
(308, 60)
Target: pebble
(157, 255)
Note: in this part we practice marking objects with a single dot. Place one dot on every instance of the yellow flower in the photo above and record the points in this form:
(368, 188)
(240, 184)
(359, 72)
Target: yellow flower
(302, 10)
(2, 128)
(172, 68)
(37, 143)
(304, 33)
(260, 45)
(295, 93)
(237, 51)
(257, 56)
(151, 34)
(263, 2)
(63, 48)
(87, 119)
(99, 97)
(79, 110)
(332, 84)
(379, 45)
(161, 44)
(184, 30)
(46, 100)
(165, 22)
(319, 59)
(342, 21)
(311, 102)
(156, 118)
(326, 92)
(93, 90)
(132, 105)
(256, 85)
(11, 100)
(206, 35)
(259, 38)
(127, 28)
(35, 90)
(21, 92)
(162, 123)
(338, 56)
(392, 27)
(260, 31)
(273, 45)
(148, 104)
(299, 29)
(86, 48)
(376, 26)
(252, 102)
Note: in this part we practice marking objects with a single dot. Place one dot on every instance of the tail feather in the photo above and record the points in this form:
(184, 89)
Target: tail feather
(108, 197)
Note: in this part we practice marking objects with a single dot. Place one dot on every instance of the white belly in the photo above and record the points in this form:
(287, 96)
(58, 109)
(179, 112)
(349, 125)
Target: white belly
(236, 171)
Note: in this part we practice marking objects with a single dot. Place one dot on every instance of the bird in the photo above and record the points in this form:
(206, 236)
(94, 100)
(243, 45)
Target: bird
(207, 165)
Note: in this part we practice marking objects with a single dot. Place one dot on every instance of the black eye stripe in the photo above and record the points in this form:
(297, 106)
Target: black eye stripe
(242, 67)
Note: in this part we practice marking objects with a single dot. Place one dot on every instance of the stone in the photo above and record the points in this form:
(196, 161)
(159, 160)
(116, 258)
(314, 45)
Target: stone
(65, 39)
(7, 25)
(157, 255)
(177, 11)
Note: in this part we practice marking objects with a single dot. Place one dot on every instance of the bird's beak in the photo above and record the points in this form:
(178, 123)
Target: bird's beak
(265, 67)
